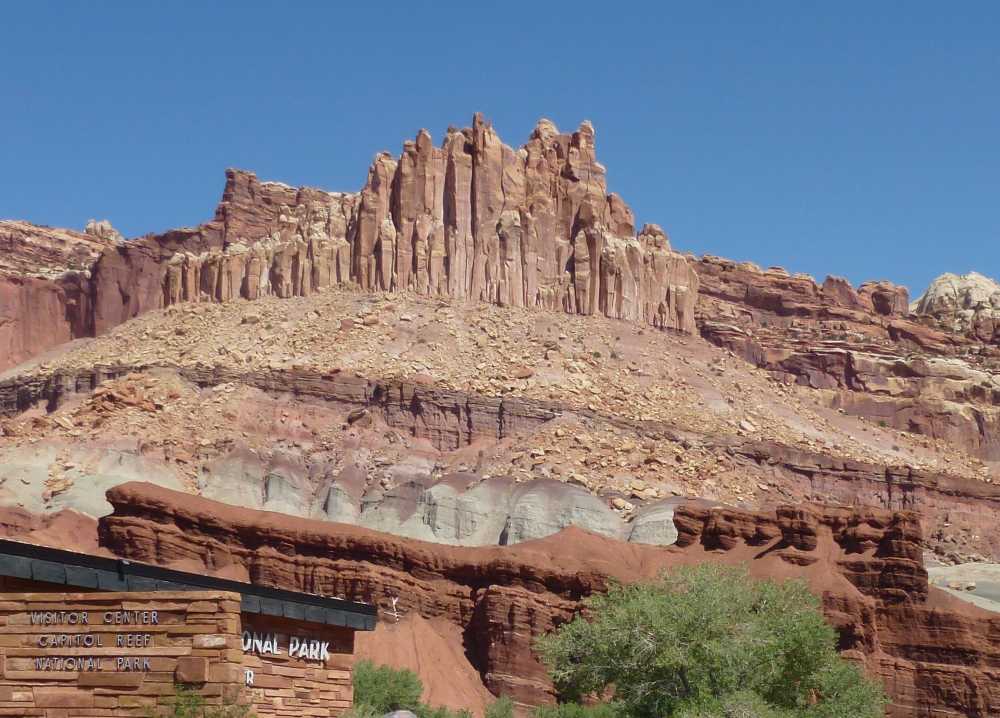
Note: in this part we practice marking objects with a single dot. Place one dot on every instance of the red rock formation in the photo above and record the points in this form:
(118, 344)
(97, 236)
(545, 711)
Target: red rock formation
(472, 219)
(937, 656)
(861, 346)
(267, 239)
(45, 293)
(64, 529)
(534, 227)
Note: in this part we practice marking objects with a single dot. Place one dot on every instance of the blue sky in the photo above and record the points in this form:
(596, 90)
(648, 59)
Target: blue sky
(850, 138)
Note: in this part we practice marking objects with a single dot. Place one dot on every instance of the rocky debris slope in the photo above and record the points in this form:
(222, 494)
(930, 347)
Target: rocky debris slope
(967, 304)
(859, 349)
(411, 414)
(937, 656)
(45, 287)
(472, 219)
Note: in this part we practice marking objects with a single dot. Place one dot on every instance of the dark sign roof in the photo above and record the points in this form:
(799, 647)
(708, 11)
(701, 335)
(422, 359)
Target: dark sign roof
(49, 565)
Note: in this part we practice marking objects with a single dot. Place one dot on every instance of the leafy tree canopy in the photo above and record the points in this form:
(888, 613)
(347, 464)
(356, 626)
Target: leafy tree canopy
(382, 689)
(709, 642)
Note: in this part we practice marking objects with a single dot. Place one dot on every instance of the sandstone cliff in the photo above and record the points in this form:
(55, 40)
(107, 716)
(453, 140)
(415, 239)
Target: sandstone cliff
(45, 287)
(475, 220)
(472, 219)
(936, 655)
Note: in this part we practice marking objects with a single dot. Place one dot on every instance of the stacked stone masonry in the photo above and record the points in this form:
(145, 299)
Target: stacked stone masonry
(115, 655)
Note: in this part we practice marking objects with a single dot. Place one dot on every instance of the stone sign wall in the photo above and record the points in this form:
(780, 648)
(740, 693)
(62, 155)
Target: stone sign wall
(292, 668)
(83, 655)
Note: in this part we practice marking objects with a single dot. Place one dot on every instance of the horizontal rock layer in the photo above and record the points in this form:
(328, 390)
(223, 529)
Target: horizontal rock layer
(865, 564)
(450, 419)
(860, 347)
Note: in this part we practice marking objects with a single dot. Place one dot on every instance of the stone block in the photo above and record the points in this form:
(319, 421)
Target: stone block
(63, 698)
(136, 701)
(191, 669)
(263, 680)
(211, 640)
(107, 679)
(225, 673)
(202, 607)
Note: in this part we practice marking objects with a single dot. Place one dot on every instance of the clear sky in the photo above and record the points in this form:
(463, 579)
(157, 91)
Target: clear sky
(850, 138)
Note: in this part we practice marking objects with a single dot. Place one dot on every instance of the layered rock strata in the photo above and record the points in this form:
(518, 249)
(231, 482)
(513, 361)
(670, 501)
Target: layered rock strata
(861, 347)
(937, 656)
(957, 513)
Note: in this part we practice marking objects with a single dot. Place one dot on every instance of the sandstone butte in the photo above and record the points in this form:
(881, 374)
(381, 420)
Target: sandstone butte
(472, 219)
(885, 412)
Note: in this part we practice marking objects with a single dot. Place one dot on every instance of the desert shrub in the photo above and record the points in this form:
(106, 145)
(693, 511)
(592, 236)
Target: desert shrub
(709, 642)
(188, 703)
(576, 710)
(386, 689)
(502, 707)
(382, 689)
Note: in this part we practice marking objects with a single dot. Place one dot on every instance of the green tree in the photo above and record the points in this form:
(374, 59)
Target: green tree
(709, 642)
(382, 689)
(502, 707)
(386, 689)
(575, 710)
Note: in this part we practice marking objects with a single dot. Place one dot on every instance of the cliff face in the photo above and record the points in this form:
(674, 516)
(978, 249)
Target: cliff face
(45, 287)
(862, 348)
(473, 219)
(937, 656)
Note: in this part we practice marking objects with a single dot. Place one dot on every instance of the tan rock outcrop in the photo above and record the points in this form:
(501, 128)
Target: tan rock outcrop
(969, 304)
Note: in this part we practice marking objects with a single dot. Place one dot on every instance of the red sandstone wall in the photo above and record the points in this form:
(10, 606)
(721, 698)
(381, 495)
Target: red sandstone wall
(937, 656)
